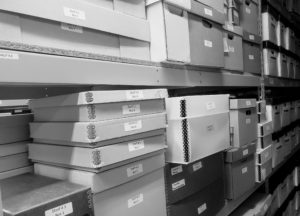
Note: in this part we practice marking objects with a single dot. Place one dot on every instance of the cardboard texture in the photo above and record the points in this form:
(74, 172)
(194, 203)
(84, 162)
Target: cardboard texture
(99, 182)
(92, 132)
(206, 202)
(282, 65)
(280, 29)
(274, 115)
(35, 195)
(264, 129)
(240, 177)
(263, 171)
(134, 198)
(16, 161)
(264, 142)
(252, 58)
(270, 62)
(249, 16)
(269, 27)
(243, 121)
(98, 158)
(184, 180)
(236, 154)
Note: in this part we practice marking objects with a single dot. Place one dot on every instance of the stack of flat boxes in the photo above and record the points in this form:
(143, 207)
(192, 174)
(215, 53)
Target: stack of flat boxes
(197, 134)
(239, 160)
(14, 139)
(123, 29)
(264, 144)
(111, 141)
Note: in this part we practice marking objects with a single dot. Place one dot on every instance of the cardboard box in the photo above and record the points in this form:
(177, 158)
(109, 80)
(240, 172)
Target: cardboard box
(264, 155)
(252, 57)
(264, 129)
(96, 159)
(15, 161)
(135, 8)
(13, 148)
(264, 142)
(270, 62)
(291, 67)
(99, 105)
(92, 132)
(233, 51)
(134, 198)
(278, 153)
(269, 23)
(99, 182)
(282, 65)
(289, 39)
(243, 121)
(274, 115)
(183, 181)
(218, 4)
(16, 172)
(35, 195)
(206, 202)
(240, 177)
(293, 111)
(249, 16)
(293, 136)
(236, 154)
(285, 114)
(263, 171)
(298, 109)
(280, 29)
(287, 144)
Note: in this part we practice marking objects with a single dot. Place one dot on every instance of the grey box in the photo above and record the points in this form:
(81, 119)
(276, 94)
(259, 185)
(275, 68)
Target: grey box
(252, 58)
(233, 52)
(249, 16)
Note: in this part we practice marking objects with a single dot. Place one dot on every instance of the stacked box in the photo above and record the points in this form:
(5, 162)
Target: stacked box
(270, 56)
(282, 64)
(269, 23)
(123, 32)
(111, 141)
(189, 32)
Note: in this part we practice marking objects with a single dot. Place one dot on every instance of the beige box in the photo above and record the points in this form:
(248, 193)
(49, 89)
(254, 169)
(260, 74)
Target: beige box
(80, 133)
(243, 121)
(99, 105)
(11, 162)
(106, 180)
(96, 159)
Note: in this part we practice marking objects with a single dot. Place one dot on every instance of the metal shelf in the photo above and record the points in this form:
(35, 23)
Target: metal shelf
(281, 82)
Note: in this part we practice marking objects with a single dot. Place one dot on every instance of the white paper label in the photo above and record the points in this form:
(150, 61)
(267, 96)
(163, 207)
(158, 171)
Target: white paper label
(74, 13)
(208, 43)
(176, 170)
(244, 170)
(210, 128)
(251, 57)
(248, 103)
(9, 56)
(135, 200)
(202, 208)
(197, 166)
(248, 10)
(71, 28)
(62, 210)
(134, 125)
(134, 170)
(208, 12)
(134, 95)
(251, 37)
(210, 105)
(131, 109)
(248, 121)
(179, 184)
(230, 27)
(136, 145)
(245, 152)
(268, 127)
(231, 49)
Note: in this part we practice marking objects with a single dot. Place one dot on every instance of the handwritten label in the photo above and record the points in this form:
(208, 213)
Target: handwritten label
(231, 49)
(245, 152)
(208, 12)
(135, 200)
(62, 210)
(71, 28)
(251, 57)
(197, 166)
(134, 125)
(134, 95)
(134, 170)
(74, 13)
(208, 43)
(131, 109)
(136, 145)
(202, 208)
(9, 56)
(176, 170)
(251, 37)
(210, 105)
(179, 184)
(248, 10)
(248, 121)
(244, 170)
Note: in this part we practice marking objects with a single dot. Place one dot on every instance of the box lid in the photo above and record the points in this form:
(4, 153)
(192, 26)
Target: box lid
(235, 154)
(232, 28)
(15, 120)
(242, 103)
(94, 97)
(251, 38)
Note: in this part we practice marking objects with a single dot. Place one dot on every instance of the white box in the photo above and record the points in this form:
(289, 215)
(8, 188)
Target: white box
(264, 155)
(269, 27)
(282, 65)
(280, 29)
(270, 62)
(291, 67)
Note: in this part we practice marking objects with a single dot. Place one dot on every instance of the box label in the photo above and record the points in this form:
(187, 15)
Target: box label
(248, 121)
(136, 145)
(176, 170)
(138, 199)
(245, 152)
(251, 37)
(248, 10)
(230, 27)
(248, 103)
(62, 210)
(202, 208)
(134, 95)
(134, 125)
(231, 49)
(177, 185)
(197, 166)
(251, 57)
(134, 170)
(244, 170)
(74, 13)
(9, 56)
(71, 28)
(208, 12)
(131, 109)
(210, 105)
(208, 43)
